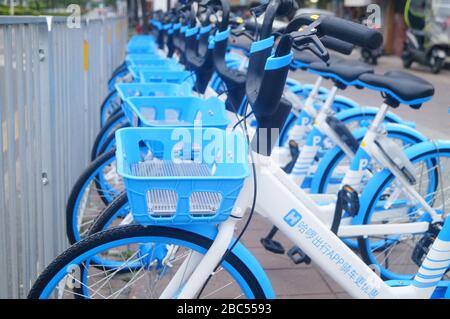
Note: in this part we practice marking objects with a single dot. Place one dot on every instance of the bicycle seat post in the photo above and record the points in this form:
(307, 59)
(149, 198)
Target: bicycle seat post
(379, 117)
(327, 105)
(312, 96)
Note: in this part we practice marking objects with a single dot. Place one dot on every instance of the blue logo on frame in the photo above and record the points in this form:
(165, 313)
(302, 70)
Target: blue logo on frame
(292, 218)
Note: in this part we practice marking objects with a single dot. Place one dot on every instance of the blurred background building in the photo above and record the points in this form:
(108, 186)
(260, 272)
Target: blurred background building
(391, 11)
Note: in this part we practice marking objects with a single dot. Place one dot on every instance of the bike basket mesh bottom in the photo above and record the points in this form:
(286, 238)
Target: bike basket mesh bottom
(169, 168)
(162, 202)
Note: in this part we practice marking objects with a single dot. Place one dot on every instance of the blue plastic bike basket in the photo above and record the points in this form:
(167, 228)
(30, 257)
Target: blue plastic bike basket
(142, 37)
(141, 44)
(141, 48)
(125, 90)
(142, 56)
(154, 62)
(167, 76)
(135, 70)
(165, 186)
(179, 111)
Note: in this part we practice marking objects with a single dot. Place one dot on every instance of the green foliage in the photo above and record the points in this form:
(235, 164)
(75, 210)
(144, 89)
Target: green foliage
(18, 10)
(41, 7)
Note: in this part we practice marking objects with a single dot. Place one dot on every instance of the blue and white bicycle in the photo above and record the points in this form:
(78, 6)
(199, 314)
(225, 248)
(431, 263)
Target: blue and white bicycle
(189, 187)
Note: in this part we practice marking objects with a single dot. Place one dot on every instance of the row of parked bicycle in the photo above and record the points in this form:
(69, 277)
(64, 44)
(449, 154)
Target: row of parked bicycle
(199, 133)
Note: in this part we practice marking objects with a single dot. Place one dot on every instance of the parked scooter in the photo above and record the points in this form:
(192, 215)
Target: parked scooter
(428, 36)
(371, 56)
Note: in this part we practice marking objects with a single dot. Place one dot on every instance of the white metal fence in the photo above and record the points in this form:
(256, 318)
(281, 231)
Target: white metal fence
(52, 83)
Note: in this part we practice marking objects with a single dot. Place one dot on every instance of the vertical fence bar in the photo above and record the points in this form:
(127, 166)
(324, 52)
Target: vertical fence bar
(30, 221)
(10, 184)
(39, 216)
(47, 109)
(21, 160)
(4, 284)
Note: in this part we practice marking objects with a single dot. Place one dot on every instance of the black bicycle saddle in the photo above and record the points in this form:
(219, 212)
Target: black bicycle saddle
(401, 87)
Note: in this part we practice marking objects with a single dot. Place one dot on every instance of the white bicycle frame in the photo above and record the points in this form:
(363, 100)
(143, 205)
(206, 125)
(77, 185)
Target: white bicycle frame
(295, 214)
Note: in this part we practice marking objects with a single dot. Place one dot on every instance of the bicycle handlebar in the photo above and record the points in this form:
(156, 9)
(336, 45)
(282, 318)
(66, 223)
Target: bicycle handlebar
(347, 31)
(329, 42)
(337, 45)
(351, 32)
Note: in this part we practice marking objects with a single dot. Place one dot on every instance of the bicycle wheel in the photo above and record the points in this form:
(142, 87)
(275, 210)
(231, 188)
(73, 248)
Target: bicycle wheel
(112, 215)
(399, 256)
(110, 142)
(118, 70)
(332, 167)
(95, 188)
(118, 76)
(335, 163)
(112, 124)
(154, 252)
(109, 105)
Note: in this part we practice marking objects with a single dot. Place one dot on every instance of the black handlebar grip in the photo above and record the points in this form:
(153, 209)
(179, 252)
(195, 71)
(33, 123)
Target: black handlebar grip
(337, 45)
(351, 32)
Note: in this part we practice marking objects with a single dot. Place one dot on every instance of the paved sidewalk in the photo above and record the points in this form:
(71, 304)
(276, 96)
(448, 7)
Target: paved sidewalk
(302, 281)
(289, 280)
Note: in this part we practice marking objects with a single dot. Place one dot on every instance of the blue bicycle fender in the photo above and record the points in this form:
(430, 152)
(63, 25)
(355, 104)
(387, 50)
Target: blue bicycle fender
(210, 231)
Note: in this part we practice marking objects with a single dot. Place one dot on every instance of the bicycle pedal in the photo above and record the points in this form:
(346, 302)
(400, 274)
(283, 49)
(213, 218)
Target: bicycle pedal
(347, 201)
(298, 256)
(272, 245)
(293, 148)
(350, 200)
